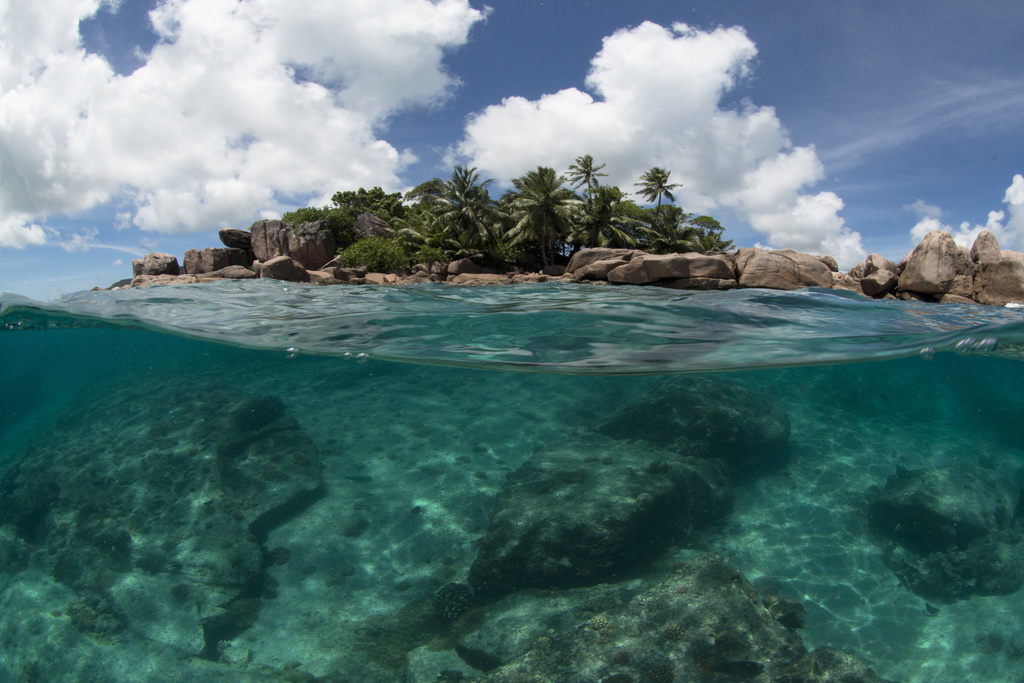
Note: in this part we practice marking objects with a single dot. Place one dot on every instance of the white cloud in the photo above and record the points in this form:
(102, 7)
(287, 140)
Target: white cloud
(1010, 234)
(238, 105)
(655, 99)
(17, 233)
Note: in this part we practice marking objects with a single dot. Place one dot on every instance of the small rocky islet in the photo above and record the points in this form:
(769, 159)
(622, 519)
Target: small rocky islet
(936, 270)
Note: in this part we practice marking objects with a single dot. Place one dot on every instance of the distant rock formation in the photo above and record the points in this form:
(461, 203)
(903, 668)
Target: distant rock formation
(311, 244)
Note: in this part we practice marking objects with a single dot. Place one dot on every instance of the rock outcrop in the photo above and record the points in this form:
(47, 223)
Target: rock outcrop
(284, 268)
(592, 510)
(235, 238)
(931, 266)
(649, 268)
(156, 263)
(310, 244)
(210, 259)
(782, 269)
(368, 225)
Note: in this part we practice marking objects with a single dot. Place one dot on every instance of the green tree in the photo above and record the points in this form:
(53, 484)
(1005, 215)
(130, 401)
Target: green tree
(606, 220)
(654, 185)
(462, 201)
(543, 210)
(345, 207)
(711, 234)
(584, 173)
(672, 232)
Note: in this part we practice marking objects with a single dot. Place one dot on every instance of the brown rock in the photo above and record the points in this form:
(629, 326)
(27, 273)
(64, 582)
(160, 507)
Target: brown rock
(879, 282)
(830, 262)
(848, 282)
(985, 248)
(232, 273)
(381, 279)
(598, 270)
(147, 280)
(553, 271)
(465, 266)
(529, 277)
(701, 283)
(954, 299)
(932, 265)
(210, 259)
(479, 279)
(311, 244)
(284, 268)
(1000, 283)
(584, 257)
(877, 262)
(782, 269)
(322, 277)
(156, 263)
(647, 268)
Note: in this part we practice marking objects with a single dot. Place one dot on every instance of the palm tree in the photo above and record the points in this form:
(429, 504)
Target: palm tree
(672, 232)
(603, 222)
(462, 201)
(654, 185)
(542, 209)
(711, 234)
(583, 173)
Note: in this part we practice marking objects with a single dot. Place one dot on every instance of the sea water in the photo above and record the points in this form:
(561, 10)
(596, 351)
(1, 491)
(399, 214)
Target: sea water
(416, 402)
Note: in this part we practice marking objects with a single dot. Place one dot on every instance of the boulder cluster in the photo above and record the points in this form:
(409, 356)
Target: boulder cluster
(937, 269)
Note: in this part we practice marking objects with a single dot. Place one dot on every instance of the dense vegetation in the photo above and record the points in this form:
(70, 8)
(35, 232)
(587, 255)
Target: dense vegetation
(542, 220)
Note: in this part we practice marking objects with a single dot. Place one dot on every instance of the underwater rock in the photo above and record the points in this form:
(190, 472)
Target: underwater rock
(162, 504)
(952, 528)
(706, 417)
(590, 510)
(935, 509)
(715, 629)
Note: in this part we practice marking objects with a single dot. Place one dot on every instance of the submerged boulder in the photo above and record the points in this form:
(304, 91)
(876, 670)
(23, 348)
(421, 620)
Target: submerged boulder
(705, 417)
(702, 622)
(592, 510)
(952, 531)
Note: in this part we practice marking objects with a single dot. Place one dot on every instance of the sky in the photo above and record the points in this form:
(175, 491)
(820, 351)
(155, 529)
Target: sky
(842, 128)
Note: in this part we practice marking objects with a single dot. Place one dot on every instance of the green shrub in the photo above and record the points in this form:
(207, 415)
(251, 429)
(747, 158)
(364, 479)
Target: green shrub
(430, 255)
(339, 221)
(377, 254)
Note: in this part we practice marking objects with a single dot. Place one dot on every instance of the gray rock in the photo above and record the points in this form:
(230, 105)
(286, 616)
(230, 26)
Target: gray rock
(985, 248)
(848, 282)
(553, 271)
(284, 268)
(879, 283)
(875, 263)
(156, 263)
(584, 257)
(591, 510)
(647, 268)
(235, 238)
(830, 262)
(999, 282)
(311, 244)
(368, 225)
(210, 259)
(156, 609)
(932, 265)
(782, 269)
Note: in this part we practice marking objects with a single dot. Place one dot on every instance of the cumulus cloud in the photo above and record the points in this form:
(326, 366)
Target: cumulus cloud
(655, 99)
(1007, 226)
(239, 106)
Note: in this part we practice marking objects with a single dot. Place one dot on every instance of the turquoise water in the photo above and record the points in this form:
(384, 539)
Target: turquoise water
(118, 408)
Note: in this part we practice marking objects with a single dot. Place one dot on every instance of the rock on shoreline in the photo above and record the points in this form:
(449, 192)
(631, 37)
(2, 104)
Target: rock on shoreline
(936, 270)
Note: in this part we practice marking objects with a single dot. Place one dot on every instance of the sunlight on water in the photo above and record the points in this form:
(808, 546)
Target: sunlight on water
(236, 481)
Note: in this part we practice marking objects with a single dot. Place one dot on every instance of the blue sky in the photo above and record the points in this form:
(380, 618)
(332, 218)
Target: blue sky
(843, 128)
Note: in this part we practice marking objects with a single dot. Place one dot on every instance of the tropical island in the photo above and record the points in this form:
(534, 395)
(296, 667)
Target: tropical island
(563, 225)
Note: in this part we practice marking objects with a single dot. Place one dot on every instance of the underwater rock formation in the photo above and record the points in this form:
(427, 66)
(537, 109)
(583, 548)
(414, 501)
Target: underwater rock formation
(590, 510)
(154, 511)
(703, 621)
(953, 531)
(706, 417)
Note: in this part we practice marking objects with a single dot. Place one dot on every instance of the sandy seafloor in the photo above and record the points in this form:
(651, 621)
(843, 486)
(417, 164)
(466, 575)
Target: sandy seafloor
(414, 454)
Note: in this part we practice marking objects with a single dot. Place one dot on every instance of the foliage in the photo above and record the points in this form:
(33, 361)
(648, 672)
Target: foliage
(462, 202)
(346, 207)
(605, 221)
(670, 231)
(378, 255)
(583, 172)
(542, 210)
(654, 185)
(711, 234)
